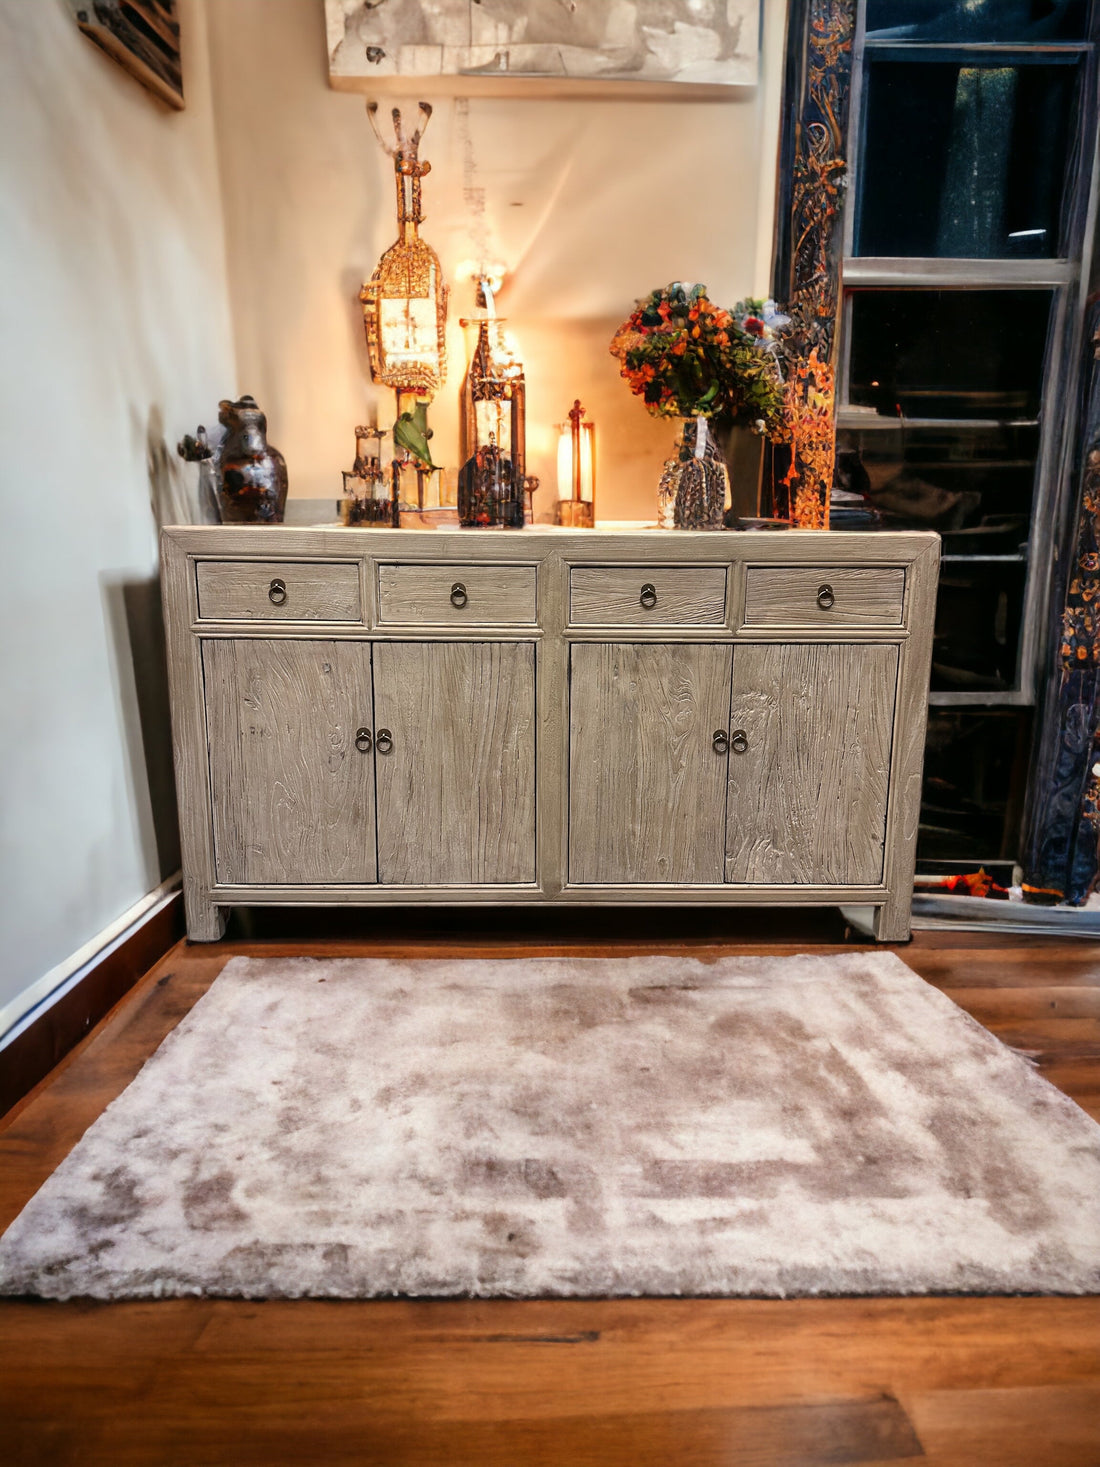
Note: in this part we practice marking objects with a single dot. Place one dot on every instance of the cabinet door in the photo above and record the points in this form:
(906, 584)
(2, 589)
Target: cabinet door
(646, 785)
(807, 797)
(456, 789)
(293, 798)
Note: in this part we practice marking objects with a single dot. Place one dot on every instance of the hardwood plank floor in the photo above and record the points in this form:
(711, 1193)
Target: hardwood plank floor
(952, 1382)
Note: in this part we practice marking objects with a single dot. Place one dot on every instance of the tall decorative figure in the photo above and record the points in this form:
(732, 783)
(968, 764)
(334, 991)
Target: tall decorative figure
(405, 306)
(808, 268)
(493, 484)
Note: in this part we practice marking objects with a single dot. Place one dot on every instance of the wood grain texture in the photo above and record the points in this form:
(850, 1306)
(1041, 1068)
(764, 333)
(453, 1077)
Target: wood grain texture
(239, 590)
(786, 596)
(592, 547)
(420, 595)
(552, 697)
(645, 784)
(807, 798)
(907, 755)
(974, 1382)
(511, 580)
(609, 595)
(293, 798)
(456, 795)
(205, 919)
(682, 894)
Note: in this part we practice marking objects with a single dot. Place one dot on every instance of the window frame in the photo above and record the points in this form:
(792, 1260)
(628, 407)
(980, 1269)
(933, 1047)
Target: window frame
(1053, 498)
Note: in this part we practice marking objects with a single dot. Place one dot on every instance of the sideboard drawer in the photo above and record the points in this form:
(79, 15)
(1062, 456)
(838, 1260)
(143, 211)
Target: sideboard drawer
(824, 596)
(278, 590)
(647, 595)
(456, 594)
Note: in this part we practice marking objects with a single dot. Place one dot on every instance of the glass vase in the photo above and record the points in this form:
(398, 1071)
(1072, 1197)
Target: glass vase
(694, 486)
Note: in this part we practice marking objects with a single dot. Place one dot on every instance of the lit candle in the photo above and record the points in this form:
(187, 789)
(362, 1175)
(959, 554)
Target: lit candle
(577, 471)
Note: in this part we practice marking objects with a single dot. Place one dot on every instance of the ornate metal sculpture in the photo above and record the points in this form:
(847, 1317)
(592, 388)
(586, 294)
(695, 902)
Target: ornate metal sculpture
(368, 488)
(405, 300)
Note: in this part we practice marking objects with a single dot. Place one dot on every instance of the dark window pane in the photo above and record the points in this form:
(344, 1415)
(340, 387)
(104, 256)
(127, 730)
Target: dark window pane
(964, 161)
(977, 634)
(948, 353)
(977, 20)
(975, 767)
(973, 485)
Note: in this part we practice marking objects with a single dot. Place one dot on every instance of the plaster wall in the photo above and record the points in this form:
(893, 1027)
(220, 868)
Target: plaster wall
(152, 262)
(116, 338)
(586, 204)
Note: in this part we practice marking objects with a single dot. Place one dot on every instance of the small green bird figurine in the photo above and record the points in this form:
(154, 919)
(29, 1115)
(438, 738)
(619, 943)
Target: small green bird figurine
(411, 432)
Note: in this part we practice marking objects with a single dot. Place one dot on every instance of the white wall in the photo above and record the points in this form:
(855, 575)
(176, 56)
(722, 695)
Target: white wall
(144, 254)
(114, 339)
(588, 204)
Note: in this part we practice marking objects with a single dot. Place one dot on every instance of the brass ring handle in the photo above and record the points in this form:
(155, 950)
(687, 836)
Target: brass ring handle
(739, 741)
(721, 741)
(458, 594)
(648, 596)
(363, 740)
(825, 597)
(383, 741)
(276, 592)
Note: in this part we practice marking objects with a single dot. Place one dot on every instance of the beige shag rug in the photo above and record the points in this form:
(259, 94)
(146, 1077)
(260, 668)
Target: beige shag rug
(773, 1126)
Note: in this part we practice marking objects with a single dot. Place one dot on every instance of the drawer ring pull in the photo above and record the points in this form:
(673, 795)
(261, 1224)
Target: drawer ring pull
(825, 597)
(648, 596)
(721, 741)
(383, 741)
(363, 740)
(458, 594)
(276, 592)
(739, 741)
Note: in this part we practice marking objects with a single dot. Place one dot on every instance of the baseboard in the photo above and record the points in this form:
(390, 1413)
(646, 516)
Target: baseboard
(63, 1020)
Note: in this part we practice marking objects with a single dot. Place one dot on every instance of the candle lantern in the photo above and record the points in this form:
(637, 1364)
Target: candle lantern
(405, 300)
(492, 483)
(577, 471)
(369, 491)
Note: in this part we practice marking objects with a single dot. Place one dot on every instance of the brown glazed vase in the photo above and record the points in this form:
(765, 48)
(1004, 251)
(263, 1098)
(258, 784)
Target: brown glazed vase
(252, 480)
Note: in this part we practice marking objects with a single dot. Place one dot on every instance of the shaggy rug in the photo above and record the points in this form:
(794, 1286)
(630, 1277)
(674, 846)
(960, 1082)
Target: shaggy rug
(774, 1126)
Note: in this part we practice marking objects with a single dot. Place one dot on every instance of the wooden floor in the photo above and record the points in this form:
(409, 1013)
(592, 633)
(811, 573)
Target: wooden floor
(955, 1382)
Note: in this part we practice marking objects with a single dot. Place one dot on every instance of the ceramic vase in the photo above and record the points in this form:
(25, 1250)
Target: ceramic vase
(252, 480)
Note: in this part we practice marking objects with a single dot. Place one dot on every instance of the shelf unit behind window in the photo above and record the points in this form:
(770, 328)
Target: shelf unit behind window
(972, 138)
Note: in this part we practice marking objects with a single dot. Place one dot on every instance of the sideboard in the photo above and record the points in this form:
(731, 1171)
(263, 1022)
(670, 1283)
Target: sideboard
(571, 717)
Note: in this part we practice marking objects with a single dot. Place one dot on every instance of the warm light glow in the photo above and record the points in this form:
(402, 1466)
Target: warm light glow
(587, 462)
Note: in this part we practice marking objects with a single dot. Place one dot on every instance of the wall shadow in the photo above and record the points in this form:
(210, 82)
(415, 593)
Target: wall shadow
(135, 624)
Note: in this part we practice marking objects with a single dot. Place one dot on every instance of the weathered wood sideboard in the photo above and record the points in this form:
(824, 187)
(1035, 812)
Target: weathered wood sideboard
(572, 717)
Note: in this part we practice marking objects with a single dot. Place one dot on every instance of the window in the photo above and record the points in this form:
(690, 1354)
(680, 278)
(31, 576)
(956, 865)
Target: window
(972, 139)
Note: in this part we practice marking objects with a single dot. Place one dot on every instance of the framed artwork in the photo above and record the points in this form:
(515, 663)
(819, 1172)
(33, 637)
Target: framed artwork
(141, 35)
(496, 45)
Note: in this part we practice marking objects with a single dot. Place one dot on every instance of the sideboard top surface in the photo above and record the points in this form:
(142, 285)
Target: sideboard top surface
(535, 543)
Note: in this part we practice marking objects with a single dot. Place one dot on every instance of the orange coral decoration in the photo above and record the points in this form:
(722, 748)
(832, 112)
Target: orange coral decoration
(818, 174)
(811, 433)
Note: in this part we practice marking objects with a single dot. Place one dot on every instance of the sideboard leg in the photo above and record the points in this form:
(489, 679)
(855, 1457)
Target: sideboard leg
(205, 921)
(892, 921)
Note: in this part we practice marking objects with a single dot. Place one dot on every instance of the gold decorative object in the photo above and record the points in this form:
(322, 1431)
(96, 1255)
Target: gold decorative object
(493, 482)
(577, 471)
(405, 300)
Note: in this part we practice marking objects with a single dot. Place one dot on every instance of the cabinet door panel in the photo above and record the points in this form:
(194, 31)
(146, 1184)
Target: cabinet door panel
(456, 793)
(293, 798)
(646, 787)
(807, 798)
